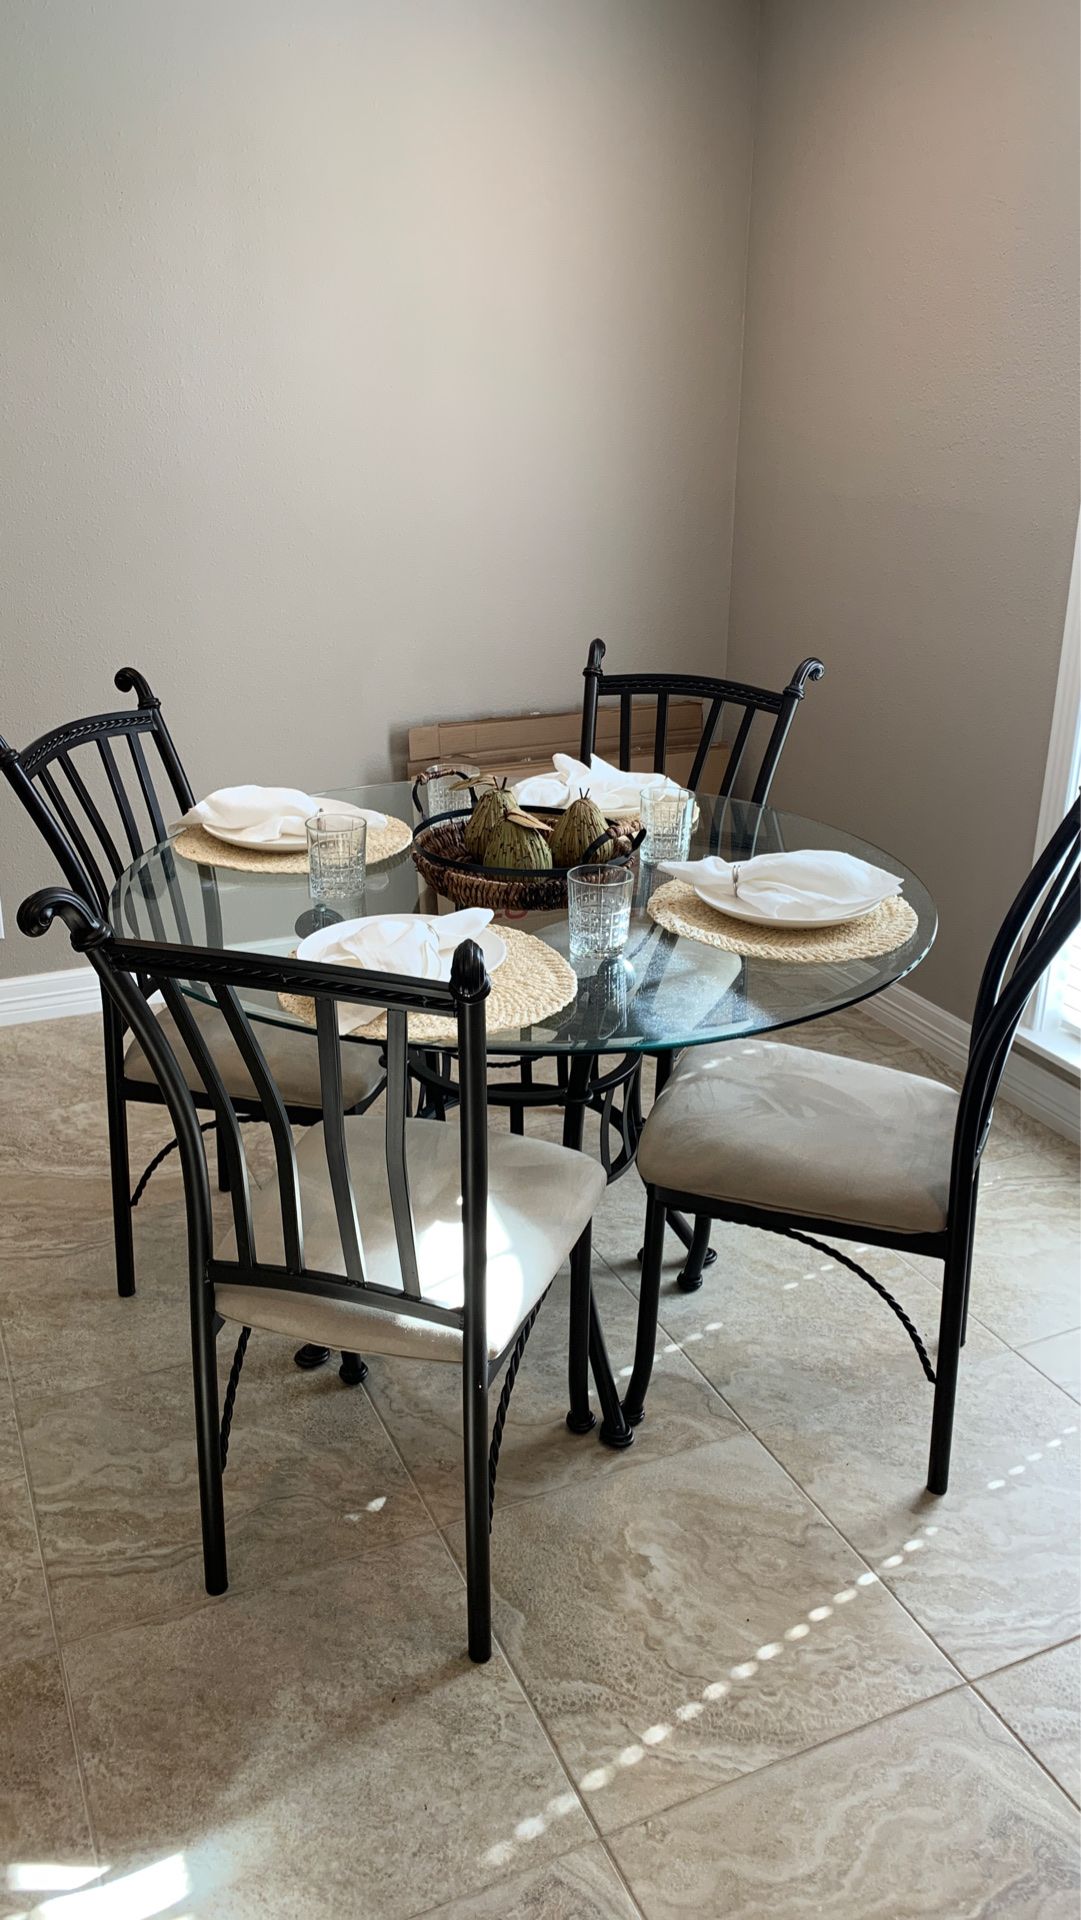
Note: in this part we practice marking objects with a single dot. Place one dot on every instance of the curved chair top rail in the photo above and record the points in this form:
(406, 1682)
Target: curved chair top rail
(1044, 914)
(87, 802)
(720, 693)
(124, 966)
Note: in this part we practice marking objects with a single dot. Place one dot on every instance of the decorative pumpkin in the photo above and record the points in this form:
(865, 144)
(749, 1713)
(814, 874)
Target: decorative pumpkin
(493, 805)
(575, 832)
(518, 842)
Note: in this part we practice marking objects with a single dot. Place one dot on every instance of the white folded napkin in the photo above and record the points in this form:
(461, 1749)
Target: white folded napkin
(610, 788)
(803, 886)
(262, 815)
(412, 943)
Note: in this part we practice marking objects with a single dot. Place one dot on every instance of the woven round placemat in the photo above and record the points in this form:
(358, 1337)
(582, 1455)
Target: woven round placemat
(194, 843)
(677, 907)
(533, 983)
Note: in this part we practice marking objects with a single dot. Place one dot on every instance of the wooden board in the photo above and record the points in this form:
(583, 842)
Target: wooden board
(519, 744)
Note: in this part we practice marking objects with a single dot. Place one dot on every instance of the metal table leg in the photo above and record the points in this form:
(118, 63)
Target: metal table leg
(586, 1341)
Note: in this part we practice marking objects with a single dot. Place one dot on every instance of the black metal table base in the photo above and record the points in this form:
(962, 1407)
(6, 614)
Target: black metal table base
(309, 1357)
(700, 1254)
(352, 1370)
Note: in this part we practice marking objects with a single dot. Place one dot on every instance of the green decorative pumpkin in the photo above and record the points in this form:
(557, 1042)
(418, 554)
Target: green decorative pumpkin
(490, 811)
(518, 842)
(575, 831)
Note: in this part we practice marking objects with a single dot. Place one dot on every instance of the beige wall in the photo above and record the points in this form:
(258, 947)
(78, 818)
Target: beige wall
(362, 362)
(908, 464)
(365, 360)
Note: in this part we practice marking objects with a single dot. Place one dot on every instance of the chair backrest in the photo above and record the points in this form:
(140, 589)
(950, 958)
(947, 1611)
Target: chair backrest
(716, 696)
(1042, 917)
(96, 807)
(122, 967)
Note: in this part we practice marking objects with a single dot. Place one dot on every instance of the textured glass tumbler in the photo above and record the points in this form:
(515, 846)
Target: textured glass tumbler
(667, 816)
(439, 789)
(599, 909)
(337, 853)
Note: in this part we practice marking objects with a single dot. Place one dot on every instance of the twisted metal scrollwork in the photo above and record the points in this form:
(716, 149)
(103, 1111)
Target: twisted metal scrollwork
(500, 1420)
(808, 1240)
(152, 1166)
(230, 1394)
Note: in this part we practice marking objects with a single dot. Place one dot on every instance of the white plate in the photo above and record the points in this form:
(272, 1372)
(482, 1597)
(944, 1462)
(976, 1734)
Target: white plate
(746, 910)
(286, 843)
(492, 945)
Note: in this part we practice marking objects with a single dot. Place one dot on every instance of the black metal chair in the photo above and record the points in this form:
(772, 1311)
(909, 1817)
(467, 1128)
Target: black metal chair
(804, 1143)
(663, 688)
(716, 696)
(584, 1082)
(407, 1237)
(88, 804)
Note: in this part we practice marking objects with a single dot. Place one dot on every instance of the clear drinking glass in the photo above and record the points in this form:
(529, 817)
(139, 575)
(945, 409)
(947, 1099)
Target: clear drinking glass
(599, 908)
(667, 816)
(337, 855)
(439, 789)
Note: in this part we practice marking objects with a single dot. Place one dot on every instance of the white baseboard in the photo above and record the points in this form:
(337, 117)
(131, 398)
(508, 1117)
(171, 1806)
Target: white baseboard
(49, 996)
(1036, 1088)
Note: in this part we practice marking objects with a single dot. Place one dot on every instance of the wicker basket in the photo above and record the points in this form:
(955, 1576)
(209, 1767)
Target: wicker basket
(439, 855)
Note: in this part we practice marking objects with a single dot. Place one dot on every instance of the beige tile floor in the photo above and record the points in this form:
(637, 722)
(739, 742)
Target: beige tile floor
(748, 1667)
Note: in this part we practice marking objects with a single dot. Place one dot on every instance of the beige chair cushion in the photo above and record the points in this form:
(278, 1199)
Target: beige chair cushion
(540, 1198)
(796, 1131)
(291, 1055)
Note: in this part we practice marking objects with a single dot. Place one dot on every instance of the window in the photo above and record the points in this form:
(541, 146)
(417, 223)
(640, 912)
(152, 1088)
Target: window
(1054, 1022)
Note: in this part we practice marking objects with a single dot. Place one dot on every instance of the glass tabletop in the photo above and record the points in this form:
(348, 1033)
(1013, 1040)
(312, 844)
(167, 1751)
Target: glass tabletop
(663, 991)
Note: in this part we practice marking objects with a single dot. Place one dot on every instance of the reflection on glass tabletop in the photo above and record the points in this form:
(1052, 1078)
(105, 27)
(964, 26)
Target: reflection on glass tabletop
(664, 990)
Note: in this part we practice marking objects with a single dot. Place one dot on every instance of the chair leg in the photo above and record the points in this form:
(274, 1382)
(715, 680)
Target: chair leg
(969, 1251)
(119, 1168)
(649, 1296)
(223, 1163)
(580, 1418)
(352, 1370)
(478, 1569)
(690, 1277)
(950, 1329)
(208, 1446)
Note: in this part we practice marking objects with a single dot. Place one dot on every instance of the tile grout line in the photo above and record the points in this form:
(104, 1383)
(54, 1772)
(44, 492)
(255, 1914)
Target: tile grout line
(238, 1585)
(834, 1739)
(966, 1681)
(1010, 1666)
(976, 1685)
(787, 1759)
(809, 1497)
(1010, 1346)
(960, 1681)
(69, 1704)
(515, 1675)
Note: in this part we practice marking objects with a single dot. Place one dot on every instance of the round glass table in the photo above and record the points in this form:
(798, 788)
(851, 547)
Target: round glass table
(663, 993)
